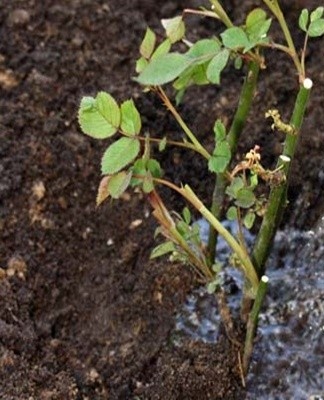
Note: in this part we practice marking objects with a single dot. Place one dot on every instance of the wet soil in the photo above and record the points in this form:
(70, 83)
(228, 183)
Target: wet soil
(84, 314)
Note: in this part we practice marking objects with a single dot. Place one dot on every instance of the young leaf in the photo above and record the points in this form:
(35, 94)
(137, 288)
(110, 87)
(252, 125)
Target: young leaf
(175, 28)
(119, 154)
(238, 63)
(219, 130)
(233, 189)
(148, 44)
(141, 63)
(245, 198)
(154, 167)
(317, 14)
(130, 118)
(254, 17)
(249, 219)
(118, 183)
(186, 215)
(99, 117)
(231, 214)
(162, 249)
(162, 144)
(235, 38)
(216, 66)
(303, 19)
(164, 69)
(221, 158)
(211, 287)
(148, 185)
(162, 49)
(316, 28)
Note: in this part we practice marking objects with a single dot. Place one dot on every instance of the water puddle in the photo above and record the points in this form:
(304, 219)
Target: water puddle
(288, 360)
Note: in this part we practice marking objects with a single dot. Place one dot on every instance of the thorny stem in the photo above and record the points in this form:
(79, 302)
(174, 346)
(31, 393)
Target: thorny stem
(278, 194)
(253, 322)
(200, 149)
(245, 101)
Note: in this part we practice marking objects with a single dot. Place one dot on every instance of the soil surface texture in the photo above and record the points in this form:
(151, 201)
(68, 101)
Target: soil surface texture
(84, 313)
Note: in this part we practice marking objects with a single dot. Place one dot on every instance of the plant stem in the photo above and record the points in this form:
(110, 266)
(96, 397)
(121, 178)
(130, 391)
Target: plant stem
(278, 194)
(247, 265)
(200, 149)
(245, 101)
(253, 322)
(219, 10)
(185, 145)
(276, 10)
(192, 198)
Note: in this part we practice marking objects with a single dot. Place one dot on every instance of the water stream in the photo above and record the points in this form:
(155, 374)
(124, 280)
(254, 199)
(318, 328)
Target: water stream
(288, 359)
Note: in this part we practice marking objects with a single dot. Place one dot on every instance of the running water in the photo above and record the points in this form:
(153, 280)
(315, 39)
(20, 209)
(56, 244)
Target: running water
(288, 358)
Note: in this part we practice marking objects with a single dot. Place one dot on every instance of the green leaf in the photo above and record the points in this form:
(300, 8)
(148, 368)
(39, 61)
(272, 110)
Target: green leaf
(236, 184)
(238, 63)
(303, 19)
(186, 215)
(216, 66)
(199, 75)
(148, 44)
(235, 38)
(258, 33)
(255, 17)
(148, 185)
(316, 28)
(221, 158)
(203, 50)
(154, 167)
(249, 219)
(119, 183)
(162, 249)
(317, 14)
(164, 69)
(162, 49)
(99, 117)
(231, 214)
(130, 118)
(245, 198)
(113, 185)
(119, 154)
(211, 287)
(219, 130)
(139, 168)
(141, 63)
(162, 144)
(175, 28)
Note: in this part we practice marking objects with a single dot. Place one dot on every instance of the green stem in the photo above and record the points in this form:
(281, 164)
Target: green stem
(253, 322)
(219, 10)
(278, 194)
(247, 265)
(276, 10)
(245, 101)
(192, 198)
(200, 149)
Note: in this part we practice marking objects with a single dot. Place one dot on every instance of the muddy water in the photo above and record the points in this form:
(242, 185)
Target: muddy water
(288, 361)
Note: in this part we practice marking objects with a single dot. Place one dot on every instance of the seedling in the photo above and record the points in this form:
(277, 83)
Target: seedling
(130, 162)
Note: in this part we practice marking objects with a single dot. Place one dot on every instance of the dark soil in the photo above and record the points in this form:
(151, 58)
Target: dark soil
(84, 314)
